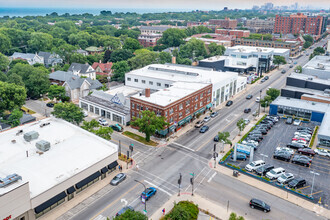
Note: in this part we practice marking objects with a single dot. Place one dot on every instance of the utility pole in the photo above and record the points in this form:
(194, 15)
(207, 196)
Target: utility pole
(313, 172)
(127, 160)
(119, 148)
(192, 183)
(179, 182)
(145, 194)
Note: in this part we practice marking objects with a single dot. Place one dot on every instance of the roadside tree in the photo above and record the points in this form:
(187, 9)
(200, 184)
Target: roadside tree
(14, 118)
(224, 138)
(69, 112)
(11, 96)
(129, 214)
(241, 125)
(298, 69)
(273, 93)
(278, 60)
(56, 92)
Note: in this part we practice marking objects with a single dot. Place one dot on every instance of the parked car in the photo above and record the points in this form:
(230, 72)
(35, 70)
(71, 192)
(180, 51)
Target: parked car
(285, 178)
(291, 66)
(214, 114)
(207, 118)
(253, 138)
(266, 77)
(262, 130)
(120, 177)
(216, 138)
(123, 210)
(204, 129)
(246, 121)
(149, 193)
(285, 149)
(264, 169)
(117, 127)
(283, 71)
(301, 133)
(300, 160)
(289, 120)
(304, 128)
(251, 142)
(199, 124)
(322, 152)
(249, 96)
(255, 113)
(247, 110)
(297, 138)
(103, 122)
(258, 204)
(281, 155)
(297, 183)
(303, 143)
(305, 158)
(229, 103)
(296, 122)
(85, 113)
(295, 145)
(239, 156)
(258, 99)
(254, 165)
(275, 173)
(306, 151)
(262, 80)
(50, 105)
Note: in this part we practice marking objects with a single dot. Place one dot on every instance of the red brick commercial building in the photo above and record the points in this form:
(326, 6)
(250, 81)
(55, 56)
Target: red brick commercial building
(224, 23)
(179, 104)
(149, 40)
(297, 23)
(236, 33)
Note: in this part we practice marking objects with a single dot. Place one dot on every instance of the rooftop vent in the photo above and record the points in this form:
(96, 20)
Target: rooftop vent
(43, 145)
(310, 78)
(44, 124)
(320, 66)
(9, 179)
(327, 91)
(31, 135)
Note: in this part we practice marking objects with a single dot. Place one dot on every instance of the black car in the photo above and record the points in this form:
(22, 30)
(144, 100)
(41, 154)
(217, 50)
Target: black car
(300, 160)
(264, 169)
(267, 126)
(229, 103)
(289, 120)
(266, 77)
(258, 204)
(295, 145)
(267, 123)
(297, 183)
(280, 155)
(263, 131)
(216, 138)
(247, 110)
(50, 105)
(249, 96)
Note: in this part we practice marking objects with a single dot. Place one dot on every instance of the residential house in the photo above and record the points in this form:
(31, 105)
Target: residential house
(31, 58)
(81, 51)
(102, 68)
(94, 50)
(84, 70)
(50, 59)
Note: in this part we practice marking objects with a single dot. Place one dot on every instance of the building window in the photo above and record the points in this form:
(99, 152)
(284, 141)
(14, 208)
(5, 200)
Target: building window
(151, 83)
(117, 118)
(187, 102)
(171, 119)
(141, 107)
(195, 106)
(133, 114)
(201, 104)
(133, 105)
(136, 80)
(180, 107)
(108, 115)
(143, 81)
(208, 99)
(171, 111)
(84, 106)
(196, 98)
(128, 79)
(209, 91)
(201, 95)
(180, 115)
(187, 110)
(159, 84)
(97, 111)
(91, 108)
(138, 107)
(165, 114)
(167, 85)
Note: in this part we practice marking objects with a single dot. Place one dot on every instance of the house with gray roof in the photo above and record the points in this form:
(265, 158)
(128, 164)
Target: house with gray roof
(50, 59)
(81, 51)
(75, 86)
(83, 70)
(29, 57)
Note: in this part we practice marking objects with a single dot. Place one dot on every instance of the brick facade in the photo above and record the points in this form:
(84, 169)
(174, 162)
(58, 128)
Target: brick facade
(224, 23)
(236, 33)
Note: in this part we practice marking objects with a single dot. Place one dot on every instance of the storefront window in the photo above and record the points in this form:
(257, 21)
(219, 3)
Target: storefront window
(97, 111)
(117, 118)
(91, 108)
(84, 106)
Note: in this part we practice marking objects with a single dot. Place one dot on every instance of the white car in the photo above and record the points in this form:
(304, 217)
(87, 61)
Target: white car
(85, 113)
(254, 165)
(296, 122)
(207, 118)
(285, 149)
(322, 152)
(285, 178)
(103, 122)
(302, 134)
(246, 121)
(275, 173)
(258, 99)
(251, 141)
(304, 143)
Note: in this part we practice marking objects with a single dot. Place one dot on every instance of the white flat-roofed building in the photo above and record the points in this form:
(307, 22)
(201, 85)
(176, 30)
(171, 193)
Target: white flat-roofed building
(319, 66)
(161, 76)
(76, 159)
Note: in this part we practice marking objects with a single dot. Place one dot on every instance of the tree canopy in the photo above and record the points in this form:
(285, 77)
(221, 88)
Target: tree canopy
(56, 92)
(279, 60)
(69, 112)
(173, 37)
(11, 96)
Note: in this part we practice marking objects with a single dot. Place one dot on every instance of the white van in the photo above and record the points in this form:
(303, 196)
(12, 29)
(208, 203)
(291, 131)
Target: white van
(275, 173)
(254, 165)
(258, 99)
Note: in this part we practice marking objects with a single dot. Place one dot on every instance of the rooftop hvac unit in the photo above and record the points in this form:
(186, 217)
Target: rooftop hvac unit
(9, 179)
(29, 136)
(327, 91)
(43, 145)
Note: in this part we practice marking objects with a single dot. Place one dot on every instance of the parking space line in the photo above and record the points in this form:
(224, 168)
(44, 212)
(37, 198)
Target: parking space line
(321, 163)
(319, 166)
(317, 192)
(304, 187)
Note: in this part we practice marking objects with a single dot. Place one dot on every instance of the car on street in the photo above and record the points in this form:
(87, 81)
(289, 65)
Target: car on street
(254, 165)
(229, 103)
(322, 152)
(246, 121)
(103, 122)
(239, 156)
(291, 66)
(264, 169)
(296, 122)
(85, 113)
(285, 178)
(306, 151)
(262, 80)
(214, 114)
(255, 113)
(207, 118)
(258, 204)
(117, 127)
(204, 129)
(199, 124)
(120, 177)
(283, 71)
(281, 155)
(289, 120)
(216, 138)
(123, 210)
(50, 104)
(149, 193)
(249, 96)
(275, 173)
(297, 183)
(300, 160)
(295, 63)
(258, 99)
(266, 77)
(247, 110)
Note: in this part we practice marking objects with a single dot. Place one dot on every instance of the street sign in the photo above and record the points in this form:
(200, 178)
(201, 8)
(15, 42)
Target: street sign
(243, 148)
(145, 212)
(192, 174)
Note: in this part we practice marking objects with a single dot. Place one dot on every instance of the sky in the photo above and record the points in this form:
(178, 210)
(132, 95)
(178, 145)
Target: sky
(170, 4)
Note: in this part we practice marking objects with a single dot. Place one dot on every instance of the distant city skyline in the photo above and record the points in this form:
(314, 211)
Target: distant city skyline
(151, 4)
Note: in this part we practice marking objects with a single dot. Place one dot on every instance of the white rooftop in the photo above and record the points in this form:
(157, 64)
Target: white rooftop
(125, 90)
(302, 104)
(177, 91)
(214, 59)
(249, 49)
(319, 63)
(309, 78)
(72, 150)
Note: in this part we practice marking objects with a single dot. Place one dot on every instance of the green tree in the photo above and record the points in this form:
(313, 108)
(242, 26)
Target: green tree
(40, 42)
(308, 38)
(14, 118)
(165, 57)
(14, 62)
(78, 58)
(192, 49)
(120, 55)
(11, 96)
(104, 132)
(233, 216)
(15, 78)
(129, 214)
(149, 123)
(298, 69)
(273, 93)
(216, 50)
(183, 210)
(143, 58)
(69, 112)
(266, 101)
(173, 37)
(5, 43)
(307, 44)
(119, 70)
(278, 60)
(37, 84)
(3, 77)
(65, 51)
(131, 44)
(224, 138)
(240, 125)
(107, 55)
(91, 125)
(4, 63)
(319, 50)
(56, 92)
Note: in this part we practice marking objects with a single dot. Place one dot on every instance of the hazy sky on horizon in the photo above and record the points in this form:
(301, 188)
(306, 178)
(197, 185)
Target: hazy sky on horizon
(170, 4)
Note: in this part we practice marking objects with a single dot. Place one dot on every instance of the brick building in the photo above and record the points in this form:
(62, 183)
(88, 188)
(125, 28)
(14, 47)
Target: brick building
(257, 25)
(224, 23)
(149, 40)
(179, 104)
(236, 33)
(297, 23)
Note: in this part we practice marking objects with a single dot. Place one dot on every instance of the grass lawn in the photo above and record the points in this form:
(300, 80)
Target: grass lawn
(29, 111)
(139, 138)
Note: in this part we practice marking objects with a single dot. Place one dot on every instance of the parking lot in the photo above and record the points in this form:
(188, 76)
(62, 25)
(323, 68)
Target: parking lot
(279, 136)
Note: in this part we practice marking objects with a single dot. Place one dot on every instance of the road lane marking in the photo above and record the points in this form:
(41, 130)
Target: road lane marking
(153, 176)
(180, 145)
(154, 185)
(108, 206)
(209, 180)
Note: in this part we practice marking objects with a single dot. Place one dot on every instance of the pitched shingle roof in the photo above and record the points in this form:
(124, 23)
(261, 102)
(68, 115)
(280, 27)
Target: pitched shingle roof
(25, 56)
(45, 55)
(78, 67)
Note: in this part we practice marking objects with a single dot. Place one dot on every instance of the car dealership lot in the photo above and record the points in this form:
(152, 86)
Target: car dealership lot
(279, 136)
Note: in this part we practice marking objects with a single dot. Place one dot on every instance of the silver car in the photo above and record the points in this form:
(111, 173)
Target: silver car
(118, 179)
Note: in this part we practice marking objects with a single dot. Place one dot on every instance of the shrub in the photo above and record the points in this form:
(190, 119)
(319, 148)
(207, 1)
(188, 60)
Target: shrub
(227, 155)
(183, 210)
(313, 137)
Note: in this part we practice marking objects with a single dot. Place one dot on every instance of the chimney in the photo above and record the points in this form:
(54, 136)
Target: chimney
(100, 61)
(53, 70)
(147, 92)
(174, 60)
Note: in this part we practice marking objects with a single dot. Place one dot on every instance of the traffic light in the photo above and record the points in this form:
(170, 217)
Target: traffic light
(127, 155)
(192, 180)
(131, 147)
(215, 147)
(180, 179)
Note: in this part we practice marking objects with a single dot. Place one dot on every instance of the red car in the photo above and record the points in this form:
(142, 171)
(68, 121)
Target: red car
(306, 151)
(296, 139)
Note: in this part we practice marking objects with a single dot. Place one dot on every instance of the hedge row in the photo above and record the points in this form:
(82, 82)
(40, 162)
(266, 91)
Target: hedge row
(263, 117)
(313, 137)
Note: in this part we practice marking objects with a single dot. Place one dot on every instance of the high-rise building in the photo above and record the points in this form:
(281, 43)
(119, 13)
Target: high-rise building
(297, 23)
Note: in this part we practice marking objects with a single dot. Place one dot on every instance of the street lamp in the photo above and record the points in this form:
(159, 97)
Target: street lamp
(266, 104)
(314, 173)
(259, 103)
(145, 194)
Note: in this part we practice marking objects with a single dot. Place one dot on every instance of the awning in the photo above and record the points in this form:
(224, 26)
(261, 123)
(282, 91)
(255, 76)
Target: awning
(71, 190)
(172, 128)
(163, 132)
(112, 165)
(188, 118)
(185, 120)
(49, 202)
(88, 179)
(181, 122)
(199, 111)
(209, 105)
(104, 170)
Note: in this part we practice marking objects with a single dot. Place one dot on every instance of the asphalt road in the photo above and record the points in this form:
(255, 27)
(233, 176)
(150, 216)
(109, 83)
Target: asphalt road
(160, 167)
